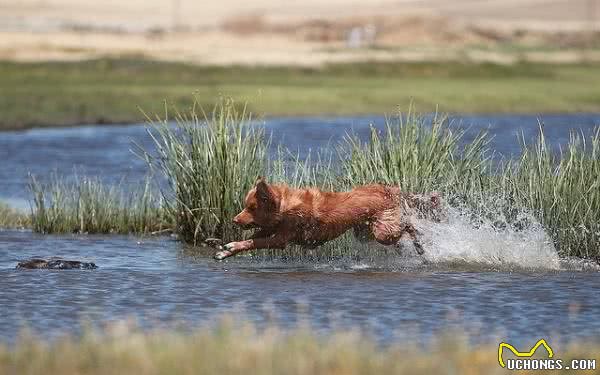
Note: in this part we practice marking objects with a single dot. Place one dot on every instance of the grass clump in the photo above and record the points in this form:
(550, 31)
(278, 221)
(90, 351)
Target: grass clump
(415, 156)
(241, 348)
(210, 161)
(89, 206)
(12, 218)
(561, 190)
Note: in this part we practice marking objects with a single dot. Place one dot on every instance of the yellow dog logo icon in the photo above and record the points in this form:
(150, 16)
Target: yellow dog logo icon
(528, 354)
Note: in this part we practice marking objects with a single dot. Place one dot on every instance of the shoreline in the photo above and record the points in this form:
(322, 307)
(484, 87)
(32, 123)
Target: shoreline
(112, 91)
(287, 116)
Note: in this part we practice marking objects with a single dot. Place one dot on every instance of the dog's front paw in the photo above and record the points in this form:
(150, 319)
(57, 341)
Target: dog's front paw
(226, 252)
(222, 255)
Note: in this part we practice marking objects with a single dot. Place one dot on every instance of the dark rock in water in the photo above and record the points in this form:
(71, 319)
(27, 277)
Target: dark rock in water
(56, 264)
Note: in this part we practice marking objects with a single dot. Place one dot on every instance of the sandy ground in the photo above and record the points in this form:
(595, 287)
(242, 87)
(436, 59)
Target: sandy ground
(310, 32)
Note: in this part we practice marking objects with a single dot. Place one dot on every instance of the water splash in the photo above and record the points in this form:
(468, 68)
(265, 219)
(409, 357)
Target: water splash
(485, 242)
(469, 240)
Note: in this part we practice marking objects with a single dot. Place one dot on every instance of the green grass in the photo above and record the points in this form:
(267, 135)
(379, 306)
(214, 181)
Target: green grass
(110, 91)
(561, 191)
(414, 156)
(239, 348)
(212, 160)
(11, 218)
(89, 206)
(212, 166)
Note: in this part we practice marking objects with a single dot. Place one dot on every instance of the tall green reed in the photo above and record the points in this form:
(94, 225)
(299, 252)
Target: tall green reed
(87, 205)
(414, 156)
(211, 161)
(315, 170)
(562, 189)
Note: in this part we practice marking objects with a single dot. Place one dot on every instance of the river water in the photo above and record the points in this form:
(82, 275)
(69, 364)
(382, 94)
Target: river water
(488, 285)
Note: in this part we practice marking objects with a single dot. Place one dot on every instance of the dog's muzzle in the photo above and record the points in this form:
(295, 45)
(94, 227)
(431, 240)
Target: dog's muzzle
(237, 222)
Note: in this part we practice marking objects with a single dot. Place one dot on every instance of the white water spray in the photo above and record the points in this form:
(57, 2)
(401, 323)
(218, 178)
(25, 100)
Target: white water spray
(458, 240)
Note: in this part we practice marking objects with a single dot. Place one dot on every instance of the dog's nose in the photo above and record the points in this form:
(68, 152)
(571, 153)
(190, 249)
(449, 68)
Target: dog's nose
(236, 220)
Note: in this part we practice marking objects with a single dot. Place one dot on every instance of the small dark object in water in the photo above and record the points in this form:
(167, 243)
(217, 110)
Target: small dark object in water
(55, 264)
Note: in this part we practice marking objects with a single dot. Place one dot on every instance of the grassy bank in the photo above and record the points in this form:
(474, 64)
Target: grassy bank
(109, 91)
(241, 349)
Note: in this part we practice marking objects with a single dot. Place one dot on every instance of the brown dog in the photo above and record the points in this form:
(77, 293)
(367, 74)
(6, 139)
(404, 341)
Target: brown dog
(311, 217)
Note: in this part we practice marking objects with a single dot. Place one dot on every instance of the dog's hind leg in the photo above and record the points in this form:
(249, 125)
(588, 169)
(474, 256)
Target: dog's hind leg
(389, 232)
(412, 232)
(388, 227)
(386, 233)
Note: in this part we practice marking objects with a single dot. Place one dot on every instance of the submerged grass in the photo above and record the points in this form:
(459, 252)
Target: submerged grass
(240, 348)
(89, 206)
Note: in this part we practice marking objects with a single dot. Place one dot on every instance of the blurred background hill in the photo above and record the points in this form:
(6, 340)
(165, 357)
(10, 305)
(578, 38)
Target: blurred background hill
(311, 32)
(69, 62)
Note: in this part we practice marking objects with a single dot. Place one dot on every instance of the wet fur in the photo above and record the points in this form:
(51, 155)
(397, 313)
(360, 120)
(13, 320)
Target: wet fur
(311, 217)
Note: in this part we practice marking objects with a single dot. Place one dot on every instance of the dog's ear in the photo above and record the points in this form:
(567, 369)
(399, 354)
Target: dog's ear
(264, 193)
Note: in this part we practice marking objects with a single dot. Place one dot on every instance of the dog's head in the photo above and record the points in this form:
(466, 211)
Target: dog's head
(261, 207)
